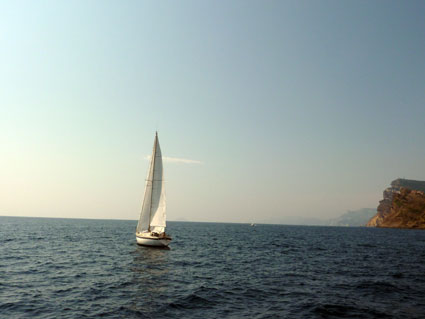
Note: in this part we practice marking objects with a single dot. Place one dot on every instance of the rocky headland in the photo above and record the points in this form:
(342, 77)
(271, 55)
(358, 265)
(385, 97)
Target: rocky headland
(403, 206)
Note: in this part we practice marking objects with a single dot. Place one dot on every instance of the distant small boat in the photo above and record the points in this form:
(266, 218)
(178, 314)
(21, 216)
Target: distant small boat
(151, 226)
(252, 224)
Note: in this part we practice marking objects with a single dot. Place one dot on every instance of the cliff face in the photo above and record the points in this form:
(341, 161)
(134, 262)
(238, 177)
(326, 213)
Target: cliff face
(384, 207)
(403, 206)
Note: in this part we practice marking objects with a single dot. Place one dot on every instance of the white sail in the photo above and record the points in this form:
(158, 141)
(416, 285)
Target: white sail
(152, 217)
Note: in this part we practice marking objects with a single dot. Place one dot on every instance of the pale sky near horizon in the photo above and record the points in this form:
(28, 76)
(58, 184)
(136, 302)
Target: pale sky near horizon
(281, 108)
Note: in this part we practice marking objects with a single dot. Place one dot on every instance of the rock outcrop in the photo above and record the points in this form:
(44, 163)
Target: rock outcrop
(403, 206)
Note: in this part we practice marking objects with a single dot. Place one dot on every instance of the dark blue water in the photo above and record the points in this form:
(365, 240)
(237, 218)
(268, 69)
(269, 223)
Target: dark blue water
(64, 268)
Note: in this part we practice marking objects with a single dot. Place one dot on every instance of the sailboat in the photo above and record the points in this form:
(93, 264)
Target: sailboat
(151, 226)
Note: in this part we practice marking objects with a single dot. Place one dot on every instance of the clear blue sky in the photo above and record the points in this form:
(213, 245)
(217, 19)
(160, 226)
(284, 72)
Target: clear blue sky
(294, 108)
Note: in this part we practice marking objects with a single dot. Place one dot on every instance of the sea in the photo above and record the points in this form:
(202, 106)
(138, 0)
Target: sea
(81, 268)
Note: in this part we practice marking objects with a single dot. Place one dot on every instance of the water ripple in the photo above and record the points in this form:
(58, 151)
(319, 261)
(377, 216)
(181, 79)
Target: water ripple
(52, 268)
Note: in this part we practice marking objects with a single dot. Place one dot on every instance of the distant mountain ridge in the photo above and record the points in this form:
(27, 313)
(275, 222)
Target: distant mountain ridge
(354, 218)
(403, 205)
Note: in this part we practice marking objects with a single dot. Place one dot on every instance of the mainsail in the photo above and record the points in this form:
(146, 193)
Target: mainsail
(152, 217)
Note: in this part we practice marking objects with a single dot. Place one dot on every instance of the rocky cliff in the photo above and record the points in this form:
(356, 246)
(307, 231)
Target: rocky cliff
(403, 206)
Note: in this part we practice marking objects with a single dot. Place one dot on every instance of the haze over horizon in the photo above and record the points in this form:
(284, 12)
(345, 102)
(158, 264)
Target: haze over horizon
(264, 110)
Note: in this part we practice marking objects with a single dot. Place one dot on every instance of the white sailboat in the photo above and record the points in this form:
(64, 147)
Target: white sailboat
(151, 226)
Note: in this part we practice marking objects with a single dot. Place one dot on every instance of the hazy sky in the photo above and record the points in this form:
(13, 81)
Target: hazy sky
(293, 108)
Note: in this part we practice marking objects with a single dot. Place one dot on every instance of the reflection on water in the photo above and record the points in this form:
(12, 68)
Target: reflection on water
(150, 270)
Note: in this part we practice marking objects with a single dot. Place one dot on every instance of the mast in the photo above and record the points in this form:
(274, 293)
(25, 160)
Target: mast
(153, 176)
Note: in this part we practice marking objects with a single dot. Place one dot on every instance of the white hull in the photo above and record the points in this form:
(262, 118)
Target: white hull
(156, 242)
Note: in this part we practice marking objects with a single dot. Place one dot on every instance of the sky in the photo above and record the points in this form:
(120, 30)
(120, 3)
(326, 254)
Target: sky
(275, 108)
